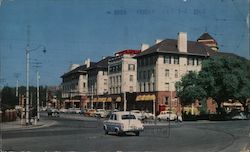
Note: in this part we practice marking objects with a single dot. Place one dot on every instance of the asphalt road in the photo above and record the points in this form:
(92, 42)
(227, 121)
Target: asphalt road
(87, 135)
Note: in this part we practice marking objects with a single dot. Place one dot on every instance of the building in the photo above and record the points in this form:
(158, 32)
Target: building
(162, 65)
(209, 41)
(75, 85)
(98, 85)
(122, 76)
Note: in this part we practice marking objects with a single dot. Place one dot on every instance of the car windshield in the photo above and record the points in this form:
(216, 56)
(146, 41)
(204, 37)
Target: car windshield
(128, 117)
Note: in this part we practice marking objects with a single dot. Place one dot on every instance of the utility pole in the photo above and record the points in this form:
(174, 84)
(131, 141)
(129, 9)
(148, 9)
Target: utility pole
(37, 65)
(125, 101)
(92, 96)
(38, 95)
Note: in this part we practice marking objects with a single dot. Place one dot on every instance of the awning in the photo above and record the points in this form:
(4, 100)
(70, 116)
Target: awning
(145, 97)
(118, 99)
(101, 99)
(109, 99)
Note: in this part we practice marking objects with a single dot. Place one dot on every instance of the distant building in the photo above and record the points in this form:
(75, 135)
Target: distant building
(75, 85)
(98, 84)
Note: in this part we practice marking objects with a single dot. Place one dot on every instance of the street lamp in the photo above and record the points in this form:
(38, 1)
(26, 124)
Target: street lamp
(28, 50)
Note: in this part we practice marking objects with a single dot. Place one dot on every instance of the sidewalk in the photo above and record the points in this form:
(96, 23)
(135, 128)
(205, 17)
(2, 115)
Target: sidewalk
(20, 124)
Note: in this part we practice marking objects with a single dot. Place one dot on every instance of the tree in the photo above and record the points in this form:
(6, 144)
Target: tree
(8, 98)
(226, 77)
(221, 77)
(189, 90)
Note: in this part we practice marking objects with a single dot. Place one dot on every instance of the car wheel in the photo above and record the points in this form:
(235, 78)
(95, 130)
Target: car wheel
(117, 132)
(159, 119)
(106, 132)
(137, 133)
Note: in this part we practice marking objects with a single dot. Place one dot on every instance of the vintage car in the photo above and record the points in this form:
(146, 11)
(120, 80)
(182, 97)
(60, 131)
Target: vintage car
(138, 114)
(122, 123)
(100, 113)
(167, 115)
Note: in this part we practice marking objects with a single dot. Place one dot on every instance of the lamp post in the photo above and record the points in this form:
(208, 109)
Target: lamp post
(28, 50)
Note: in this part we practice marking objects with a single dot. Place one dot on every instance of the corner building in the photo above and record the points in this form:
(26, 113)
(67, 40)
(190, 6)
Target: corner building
(162, 65)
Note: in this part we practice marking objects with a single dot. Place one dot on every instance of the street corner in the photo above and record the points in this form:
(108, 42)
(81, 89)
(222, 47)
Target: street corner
(20, 125)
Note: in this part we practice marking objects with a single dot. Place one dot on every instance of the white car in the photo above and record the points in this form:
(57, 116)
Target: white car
(100, 113)
(62, 110)
(123, 122)
(138, 114)
(74, 110)
(148, 115)
(167, 115)
(239, 116)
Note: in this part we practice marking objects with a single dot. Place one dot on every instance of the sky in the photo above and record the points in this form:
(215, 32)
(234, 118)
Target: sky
(74, 30)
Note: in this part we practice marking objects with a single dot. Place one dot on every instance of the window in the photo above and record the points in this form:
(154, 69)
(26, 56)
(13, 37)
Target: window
(144, 74)
(167, 72)
(167, 59)
(131, 89)
(140, 87)
(176, 73)
(105, 81)
(139, 75)
(84, 85)
(124, 117)
(144, 87)
(153, 84)
(176, 59)
(167, 86)
(199, 61)
(110, 79)
(131, 77)
(190, 61)
(131, 67)
(153, 74)
(148, 74)
(149, 88)
(105, 73)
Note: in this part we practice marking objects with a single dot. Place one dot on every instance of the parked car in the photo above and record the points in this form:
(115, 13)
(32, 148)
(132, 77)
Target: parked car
(100, 113)
(53, 112)
(167, 115)
(109, 112)
(239, 116)
(90, 112)
(148, 115)
(62, 110)
(139, 115)
(74, 110)
(122, 123)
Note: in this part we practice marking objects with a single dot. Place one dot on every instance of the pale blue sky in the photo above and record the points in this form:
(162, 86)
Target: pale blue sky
(73, 30)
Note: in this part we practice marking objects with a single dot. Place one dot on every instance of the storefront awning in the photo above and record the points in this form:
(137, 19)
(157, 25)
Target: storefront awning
(118, 99)
(109, 99)
(145, 97)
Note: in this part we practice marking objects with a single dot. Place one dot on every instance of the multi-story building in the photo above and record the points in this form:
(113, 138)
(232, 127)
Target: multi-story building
(122, 75)
(75, 85)
(98, 84)
(162, 65)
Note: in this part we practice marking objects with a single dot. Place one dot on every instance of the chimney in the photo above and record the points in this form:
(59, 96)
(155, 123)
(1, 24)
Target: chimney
(157, 41)
(144, 47)
(73, 66)
(87, 62)
(182, 42)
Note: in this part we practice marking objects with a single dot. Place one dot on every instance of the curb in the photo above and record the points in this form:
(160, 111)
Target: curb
(23, 127)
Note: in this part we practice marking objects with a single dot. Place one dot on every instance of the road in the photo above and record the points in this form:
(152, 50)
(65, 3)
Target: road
(70, 134)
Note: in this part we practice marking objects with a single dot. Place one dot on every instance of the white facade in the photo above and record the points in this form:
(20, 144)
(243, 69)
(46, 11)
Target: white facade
(122, 74)
(160, 71)
(99, 82)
